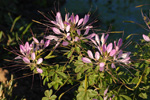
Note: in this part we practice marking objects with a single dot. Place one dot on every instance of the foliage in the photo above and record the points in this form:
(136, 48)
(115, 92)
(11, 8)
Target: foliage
(75, 54)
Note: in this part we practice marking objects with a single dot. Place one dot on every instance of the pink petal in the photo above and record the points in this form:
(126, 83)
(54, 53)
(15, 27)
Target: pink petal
(120, 54)
(113, 65)
(66, 17)
(22, 49)
(54, 22)
(125, 55)
(109, 47)
(76, 18)
(126, 60)
(115, 44)
(146, 38)
(51, 37)
(33, 56)
(56, 30)
(86, 32)
(26, 60)
(101, 66)
(59, 20)
(39, 70)
(68, 28)
(27, 47)
(86, 18)
(102, 38)
(47, 43)
(18, 57)
(106, 37)
(80, 21)
(105, 92)
(97, 55)
(119, 43)
(65, 43)
(88, 27)
(76, 39)
(112, 53)
(42, 42)
(104, 47)
(91, 36)
(86, 60)
(69, 38)
(72, 18)
(39, 61)
(90, 54)
(97, 39)
(78, 32)
(35, 40)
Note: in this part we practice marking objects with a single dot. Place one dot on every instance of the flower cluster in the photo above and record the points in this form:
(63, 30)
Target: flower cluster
(107, 53)
(68, 30)
(30, 53)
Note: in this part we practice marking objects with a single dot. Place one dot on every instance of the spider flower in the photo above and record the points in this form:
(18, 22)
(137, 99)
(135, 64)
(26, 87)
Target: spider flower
(111, 53)
(68, 30)
(29, 53)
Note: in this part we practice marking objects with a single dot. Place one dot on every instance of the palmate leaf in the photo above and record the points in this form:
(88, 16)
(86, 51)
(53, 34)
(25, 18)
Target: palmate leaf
(86, 95)
(143, 95)
(48, 95)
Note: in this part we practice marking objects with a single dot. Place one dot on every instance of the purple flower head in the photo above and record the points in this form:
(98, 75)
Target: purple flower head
(111, 53)
(29, 53)
(69, 30)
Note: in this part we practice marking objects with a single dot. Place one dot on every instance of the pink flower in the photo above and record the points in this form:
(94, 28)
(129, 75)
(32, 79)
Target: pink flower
(63, 29)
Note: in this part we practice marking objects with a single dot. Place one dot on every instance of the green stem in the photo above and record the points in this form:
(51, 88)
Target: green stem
(85, 82)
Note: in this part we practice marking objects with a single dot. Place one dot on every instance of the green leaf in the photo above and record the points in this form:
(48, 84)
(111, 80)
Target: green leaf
(27, 28)
(78, 69)
(126, 97)
(53, 97)
(77, 49)
(70, 53)
(143, 95)
(80, 96)
(62, 74)
(47, 93)
(45, 98)
(1, 34)
(72, 58)
(49, 55)
(49, 85)
(92, 93)
(51, 73)
(14, 22)
(56, 86)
